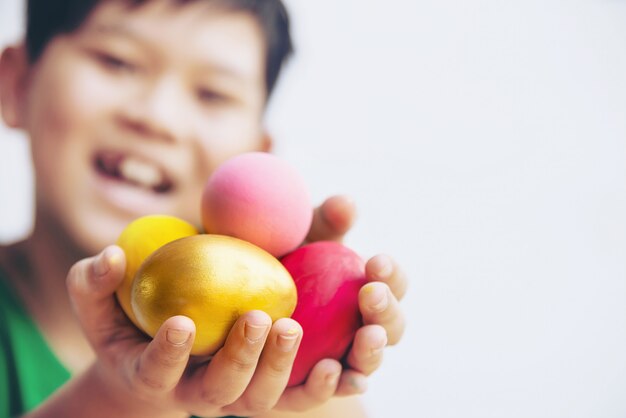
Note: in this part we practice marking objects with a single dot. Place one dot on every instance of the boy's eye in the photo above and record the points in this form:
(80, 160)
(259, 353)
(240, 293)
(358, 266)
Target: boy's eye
(114, 63)
(211, 96)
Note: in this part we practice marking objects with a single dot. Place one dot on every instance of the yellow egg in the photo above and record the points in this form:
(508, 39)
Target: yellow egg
(141, 238)
(212, 279)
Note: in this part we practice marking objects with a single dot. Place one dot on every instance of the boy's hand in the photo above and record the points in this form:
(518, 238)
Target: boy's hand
(156, 378)
(379, 304)
(249, 374)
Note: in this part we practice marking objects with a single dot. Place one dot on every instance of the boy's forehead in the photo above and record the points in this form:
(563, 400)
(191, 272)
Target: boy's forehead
(201, 29)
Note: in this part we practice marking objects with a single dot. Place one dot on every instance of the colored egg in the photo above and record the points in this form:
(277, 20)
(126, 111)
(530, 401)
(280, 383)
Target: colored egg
(259, 198)
(140, 239)
(212, 279)
(328, 277)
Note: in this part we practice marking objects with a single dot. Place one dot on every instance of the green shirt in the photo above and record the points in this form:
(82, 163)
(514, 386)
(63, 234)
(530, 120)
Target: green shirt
(29, 371)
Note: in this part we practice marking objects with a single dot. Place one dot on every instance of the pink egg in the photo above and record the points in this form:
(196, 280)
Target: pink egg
(259, 198)
(328, 277)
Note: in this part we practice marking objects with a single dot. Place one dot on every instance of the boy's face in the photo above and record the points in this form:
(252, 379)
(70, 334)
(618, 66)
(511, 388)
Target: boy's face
(131, 113)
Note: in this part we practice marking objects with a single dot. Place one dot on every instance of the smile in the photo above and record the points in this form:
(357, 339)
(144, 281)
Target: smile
(132, 170)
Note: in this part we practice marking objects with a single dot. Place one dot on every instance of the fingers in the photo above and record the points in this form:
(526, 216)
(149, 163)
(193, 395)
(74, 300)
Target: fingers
(273, 370)
(231, 369)
(161, 365)
(320, 386)
(383, 319)
(351, 383)
(97, 277)
(384, 269)
(366, 353)
(332, 220)
(379, 306)
(91, 284)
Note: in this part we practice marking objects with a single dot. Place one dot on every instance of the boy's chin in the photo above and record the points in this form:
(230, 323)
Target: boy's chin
(93, 235)
(92, 241)
(90, 236)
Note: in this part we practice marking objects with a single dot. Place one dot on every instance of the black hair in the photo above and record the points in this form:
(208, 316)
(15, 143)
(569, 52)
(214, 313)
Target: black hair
(46, 19)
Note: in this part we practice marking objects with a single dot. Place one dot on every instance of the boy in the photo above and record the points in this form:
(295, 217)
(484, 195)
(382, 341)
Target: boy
(129, 106)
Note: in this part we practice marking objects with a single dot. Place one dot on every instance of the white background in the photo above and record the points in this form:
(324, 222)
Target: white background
(485, 144)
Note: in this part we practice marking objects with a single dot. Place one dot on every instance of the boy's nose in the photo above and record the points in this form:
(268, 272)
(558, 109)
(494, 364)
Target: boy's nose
(157, 110)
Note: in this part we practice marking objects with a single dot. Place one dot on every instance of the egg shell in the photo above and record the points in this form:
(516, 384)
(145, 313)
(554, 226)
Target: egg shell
(139, 240)
(259, 198)
(212, 279)
(328, 277)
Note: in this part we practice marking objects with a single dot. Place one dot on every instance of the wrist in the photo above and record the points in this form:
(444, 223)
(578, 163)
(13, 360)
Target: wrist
(91, 394)
(122, 402)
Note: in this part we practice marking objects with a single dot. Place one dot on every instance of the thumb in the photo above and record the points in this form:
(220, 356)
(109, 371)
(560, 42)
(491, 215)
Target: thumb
(91, 285)
(332, 219)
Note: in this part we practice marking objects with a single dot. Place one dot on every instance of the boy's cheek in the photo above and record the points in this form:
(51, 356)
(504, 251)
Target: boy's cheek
(88, 95)
(231, 132)
(69, 84)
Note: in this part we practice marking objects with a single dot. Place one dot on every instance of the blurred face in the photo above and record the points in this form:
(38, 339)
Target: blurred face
(130, 114)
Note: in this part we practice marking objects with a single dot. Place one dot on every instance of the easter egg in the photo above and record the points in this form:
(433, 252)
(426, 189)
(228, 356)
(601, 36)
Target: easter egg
(328, 277)
(259, 198)
(140, 239)
(212, 279)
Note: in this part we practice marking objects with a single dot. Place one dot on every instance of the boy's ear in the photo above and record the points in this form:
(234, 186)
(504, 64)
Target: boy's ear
(267, 142)
(13, 72)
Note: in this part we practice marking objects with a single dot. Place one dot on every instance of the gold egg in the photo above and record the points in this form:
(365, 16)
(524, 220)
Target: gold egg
(212, 279)
(141, 238)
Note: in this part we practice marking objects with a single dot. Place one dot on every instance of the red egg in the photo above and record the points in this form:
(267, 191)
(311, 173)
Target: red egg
(259, 198)
(328, 277)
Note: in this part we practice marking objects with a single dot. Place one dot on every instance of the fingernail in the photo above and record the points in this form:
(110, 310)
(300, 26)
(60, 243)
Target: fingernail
(177, 336)
(385, 267)
(358, 384)
(253, 332)
(332, 379)
(287, 341)
(348, 199)
(379, 300)
(104, 261)
(101, 264)
(378, 348)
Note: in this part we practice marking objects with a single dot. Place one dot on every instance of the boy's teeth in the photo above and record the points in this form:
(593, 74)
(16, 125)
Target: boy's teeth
(139, 172)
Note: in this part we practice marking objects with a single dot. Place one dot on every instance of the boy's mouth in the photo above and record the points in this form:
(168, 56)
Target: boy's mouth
(132, 170)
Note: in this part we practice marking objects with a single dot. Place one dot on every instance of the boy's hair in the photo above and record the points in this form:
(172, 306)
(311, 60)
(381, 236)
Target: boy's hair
(46, 19)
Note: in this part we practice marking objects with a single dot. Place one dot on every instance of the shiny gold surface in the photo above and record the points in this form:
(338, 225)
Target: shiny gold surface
(212, 279)
(141, 238)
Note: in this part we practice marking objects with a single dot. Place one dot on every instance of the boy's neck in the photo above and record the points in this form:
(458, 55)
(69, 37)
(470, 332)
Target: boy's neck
(52, 254)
